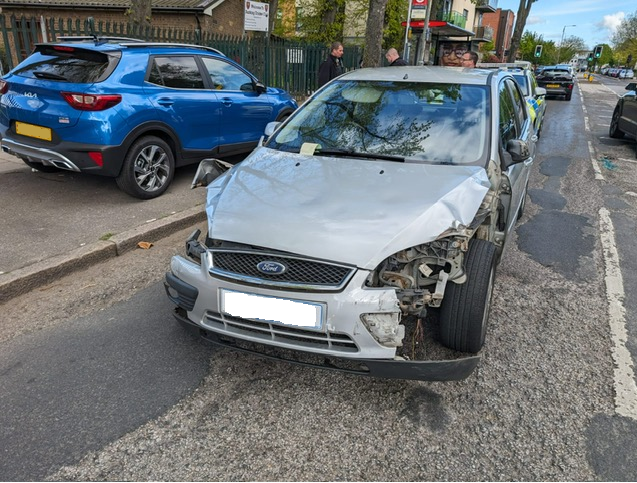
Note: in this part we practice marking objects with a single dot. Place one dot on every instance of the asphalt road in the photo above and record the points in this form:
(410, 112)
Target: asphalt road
(94, 365)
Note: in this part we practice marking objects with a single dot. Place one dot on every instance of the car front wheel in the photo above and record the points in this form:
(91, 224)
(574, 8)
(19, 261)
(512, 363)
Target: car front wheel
(614, 131)
(465, 307)
(148, 168)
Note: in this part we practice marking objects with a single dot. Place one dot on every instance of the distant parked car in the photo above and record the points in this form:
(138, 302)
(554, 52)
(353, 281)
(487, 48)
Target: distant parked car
(558, 81)
(624, 120)
(626, 74)
(132, 110)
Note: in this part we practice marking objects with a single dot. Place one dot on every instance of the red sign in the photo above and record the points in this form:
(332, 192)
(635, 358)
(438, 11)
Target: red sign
(419, 3)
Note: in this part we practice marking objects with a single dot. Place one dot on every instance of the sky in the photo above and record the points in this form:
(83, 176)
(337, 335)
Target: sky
(595, 20)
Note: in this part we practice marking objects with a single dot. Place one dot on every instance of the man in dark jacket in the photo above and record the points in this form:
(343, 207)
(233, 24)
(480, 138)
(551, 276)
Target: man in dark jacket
(332, 66)
(393, 58)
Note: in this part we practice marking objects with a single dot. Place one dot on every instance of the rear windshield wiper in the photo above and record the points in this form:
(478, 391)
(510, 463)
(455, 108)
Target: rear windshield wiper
(354, 154)
(40, 74)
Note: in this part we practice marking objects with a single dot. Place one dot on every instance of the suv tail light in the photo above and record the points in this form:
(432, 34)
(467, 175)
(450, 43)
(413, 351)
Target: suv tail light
(4, 86)
(91, 102)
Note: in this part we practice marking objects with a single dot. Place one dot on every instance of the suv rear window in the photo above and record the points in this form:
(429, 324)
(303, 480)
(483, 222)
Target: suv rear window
(70, 64)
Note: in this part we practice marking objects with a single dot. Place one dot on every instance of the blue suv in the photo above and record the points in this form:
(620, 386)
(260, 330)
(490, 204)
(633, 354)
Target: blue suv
(132, 110)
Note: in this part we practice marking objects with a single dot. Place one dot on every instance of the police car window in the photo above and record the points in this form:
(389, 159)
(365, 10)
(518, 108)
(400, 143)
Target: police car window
(177, 72)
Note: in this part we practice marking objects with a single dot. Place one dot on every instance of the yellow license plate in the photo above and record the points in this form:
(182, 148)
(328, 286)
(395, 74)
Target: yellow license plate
(33, 131)
(552, 85)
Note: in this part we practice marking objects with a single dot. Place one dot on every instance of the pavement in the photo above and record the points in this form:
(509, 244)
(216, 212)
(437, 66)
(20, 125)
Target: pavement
(53, 224)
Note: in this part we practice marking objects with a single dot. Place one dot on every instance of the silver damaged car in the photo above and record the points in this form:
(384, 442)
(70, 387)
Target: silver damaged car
(388, 197)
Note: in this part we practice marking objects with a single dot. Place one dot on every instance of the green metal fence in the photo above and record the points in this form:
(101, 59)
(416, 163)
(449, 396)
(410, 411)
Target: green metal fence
(291, 65)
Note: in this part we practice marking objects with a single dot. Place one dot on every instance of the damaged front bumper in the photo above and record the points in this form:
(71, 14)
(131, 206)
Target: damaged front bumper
(182, 295)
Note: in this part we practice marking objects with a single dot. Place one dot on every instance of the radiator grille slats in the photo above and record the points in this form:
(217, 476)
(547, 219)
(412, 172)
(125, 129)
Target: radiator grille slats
(268, 332)
(300, 272)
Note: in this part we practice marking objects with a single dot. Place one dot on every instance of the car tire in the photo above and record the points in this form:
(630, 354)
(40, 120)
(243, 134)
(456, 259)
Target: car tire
(148, 169)
(42, 167)
(568, 97)
(613, 130)
(465, 308)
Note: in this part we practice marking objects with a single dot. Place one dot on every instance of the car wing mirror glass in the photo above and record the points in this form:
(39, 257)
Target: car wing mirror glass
(269, 130)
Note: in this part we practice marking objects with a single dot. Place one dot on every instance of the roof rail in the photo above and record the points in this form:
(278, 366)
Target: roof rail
(95, 38)
(504, 65)
(170, 44)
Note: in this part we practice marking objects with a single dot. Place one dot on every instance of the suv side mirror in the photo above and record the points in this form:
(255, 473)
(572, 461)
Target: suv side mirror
(260, 87)
(632, 86)
(540, 91)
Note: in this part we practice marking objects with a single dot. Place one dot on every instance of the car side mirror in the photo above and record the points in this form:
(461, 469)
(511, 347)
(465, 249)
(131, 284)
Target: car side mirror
(518, 151)
(269, 130)
(632, 86)
(260, 87)
(540, 91)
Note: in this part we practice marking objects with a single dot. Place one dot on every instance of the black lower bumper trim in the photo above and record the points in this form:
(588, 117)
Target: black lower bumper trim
(445, 370)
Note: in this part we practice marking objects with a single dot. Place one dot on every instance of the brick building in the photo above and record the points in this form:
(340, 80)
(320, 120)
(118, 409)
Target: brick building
(502, 23)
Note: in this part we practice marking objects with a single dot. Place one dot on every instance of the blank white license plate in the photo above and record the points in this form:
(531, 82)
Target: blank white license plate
(272, 309)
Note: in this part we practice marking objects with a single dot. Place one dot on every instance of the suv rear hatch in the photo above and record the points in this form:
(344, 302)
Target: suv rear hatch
(34, 96)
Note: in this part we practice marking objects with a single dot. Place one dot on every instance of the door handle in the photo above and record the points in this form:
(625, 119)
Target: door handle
(226, 101)
(164, 101)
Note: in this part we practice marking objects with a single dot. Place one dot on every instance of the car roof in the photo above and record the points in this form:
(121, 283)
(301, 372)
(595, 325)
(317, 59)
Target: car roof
(106, 44)
(444, 75)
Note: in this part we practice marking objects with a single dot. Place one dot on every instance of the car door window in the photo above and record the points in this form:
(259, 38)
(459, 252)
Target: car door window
(177, 72)
(226, 77)
(508, 123)
(519, 103)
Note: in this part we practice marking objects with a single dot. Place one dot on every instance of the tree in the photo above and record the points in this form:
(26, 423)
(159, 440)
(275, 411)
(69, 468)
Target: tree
(373, 41)
(140, 12)
(324, 20)
(520, 23)
(625, 42)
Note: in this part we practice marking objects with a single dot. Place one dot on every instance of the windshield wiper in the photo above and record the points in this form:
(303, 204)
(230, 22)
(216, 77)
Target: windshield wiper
(40, 74)
(354, 154)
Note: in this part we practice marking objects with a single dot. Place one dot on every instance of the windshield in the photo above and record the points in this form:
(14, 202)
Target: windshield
(417, 122)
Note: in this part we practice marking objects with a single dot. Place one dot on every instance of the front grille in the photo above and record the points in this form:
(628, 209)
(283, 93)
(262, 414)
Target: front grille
(269, 332)
(300, 273)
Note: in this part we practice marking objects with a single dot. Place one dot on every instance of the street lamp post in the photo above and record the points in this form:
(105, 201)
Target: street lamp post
(562, 41)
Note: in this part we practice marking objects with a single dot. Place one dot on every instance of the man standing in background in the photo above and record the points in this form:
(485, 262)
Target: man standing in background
(332, 66)
(393, 58)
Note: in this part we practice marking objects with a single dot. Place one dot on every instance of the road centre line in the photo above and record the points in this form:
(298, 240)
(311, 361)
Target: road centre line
(623, 374)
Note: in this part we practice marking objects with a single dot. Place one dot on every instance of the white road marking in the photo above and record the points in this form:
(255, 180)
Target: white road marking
(624, 376)
(596, 168)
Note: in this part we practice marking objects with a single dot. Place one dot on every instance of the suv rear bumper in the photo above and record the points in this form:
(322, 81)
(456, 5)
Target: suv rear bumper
(69, 156)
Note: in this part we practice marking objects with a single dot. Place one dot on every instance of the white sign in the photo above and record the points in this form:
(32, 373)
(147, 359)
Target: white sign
(256, 16)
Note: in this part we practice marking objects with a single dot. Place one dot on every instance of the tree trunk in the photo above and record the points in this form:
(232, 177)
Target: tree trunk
(373, 35)
(140, 12)
(520, 23)
(274, 6)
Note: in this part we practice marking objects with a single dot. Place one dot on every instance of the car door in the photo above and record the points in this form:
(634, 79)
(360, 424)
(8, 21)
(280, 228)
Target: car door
(244, 110)
(515, 123)
(628, 122)
(175, 86)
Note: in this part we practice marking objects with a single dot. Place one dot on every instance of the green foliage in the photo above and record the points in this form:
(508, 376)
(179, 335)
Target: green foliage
(527, 49)
(394, 32)
(323, 22)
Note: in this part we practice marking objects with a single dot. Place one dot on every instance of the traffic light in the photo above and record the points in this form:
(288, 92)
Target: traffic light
(590, 57)
(538, 50)
(598, 51)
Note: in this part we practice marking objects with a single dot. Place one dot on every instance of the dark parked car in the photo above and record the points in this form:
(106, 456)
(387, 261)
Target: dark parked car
(132, 110)
(317, 253)
(624, 119)
(558, 81)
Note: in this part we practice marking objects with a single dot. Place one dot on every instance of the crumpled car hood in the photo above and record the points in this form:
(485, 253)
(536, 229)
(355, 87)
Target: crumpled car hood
(353, 211)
